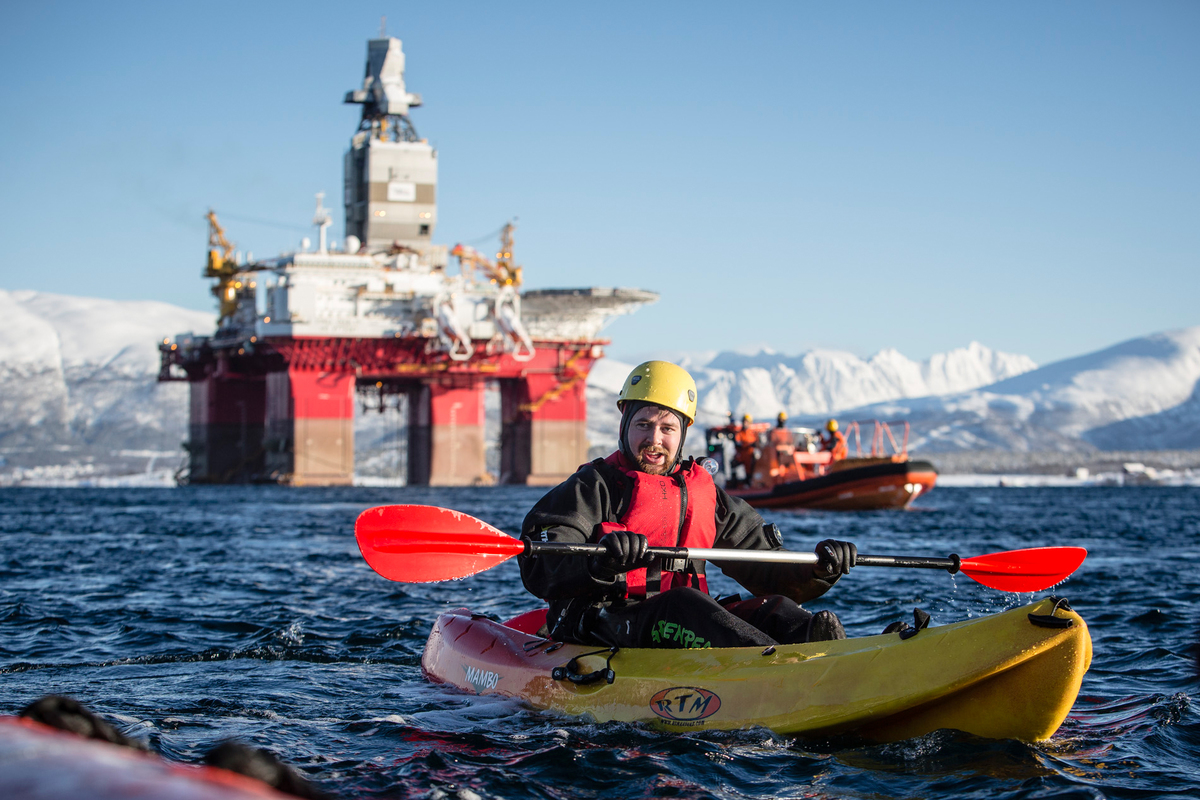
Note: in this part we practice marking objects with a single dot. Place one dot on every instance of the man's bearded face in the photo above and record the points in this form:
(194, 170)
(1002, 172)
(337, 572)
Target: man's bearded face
(654, 437)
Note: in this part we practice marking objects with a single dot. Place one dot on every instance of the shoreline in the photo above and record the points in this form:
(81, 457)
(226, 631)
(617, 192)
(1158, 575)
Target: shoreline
(945, 481)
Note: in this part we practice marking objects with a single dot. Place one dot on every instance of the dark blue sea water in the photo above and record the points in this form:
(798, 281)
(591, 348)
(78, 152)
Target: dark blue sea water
(196, 614)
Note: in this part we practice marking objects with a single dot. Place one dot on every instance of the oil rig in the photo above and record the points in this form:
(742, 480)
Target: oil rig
(302, 337)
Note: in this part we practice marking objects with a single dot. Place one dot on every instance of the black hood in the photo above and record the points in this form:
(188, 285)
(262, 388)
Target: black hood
(632, 407)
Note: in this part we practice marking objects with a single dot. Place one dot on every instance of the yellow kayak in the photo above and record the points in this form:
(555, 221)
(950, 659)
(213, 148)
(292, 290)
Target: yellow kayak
(1013, 675)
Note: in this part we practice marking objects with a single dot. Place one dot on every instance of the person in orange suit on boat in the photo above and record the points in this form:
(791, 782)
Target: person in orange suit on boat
(647, 494)
(834, 441)
(747, 448)
(781, 437)
(783, 444)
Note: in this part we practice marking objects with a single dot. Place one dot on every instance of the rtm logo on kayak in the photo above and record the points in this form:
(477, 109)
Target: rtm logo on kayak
(481, 679)
(685, 703)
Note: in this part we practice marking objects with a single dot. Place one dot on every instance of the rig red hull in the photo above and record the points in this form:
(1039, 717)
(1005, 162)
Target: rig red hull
(867, 488)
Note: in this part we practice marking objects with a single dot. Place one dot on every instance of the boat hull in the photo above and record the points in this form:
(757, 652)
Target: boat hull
(1002, 676)
(866, 488)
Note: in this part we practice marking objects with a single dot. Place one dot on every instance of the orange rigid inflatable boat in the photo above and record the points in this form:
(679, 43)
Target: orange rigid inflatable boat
(786, 468)
(853, 484)
(1012, 675)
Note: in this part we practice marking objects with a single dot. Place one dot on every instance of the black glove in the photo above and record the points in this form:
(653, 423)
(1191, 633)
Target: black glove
(623, 551)
(834, 559)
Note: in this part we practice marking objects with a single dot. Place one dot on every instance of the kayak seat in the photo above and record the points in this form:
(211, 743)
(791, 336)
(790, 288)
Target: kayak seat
(531, 622)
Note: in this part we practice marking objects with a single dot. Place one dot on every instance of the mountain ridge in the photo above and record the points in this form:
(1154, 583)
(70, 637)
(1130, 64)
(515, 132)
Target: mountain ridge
(79, 384)
(1143, 393)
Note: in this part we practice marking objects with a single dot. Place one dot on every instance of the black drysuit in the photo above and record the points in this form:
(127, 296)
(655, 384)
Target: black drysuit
(591, 610)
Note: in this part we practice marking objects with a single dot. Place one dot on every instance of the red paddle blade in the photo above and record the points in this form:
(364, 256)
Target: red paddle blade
(425, 544)
(1030, 570)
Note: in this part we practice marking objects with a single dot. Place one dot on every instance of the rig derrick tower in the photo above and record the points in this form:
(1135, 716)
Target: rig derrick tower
(302, 336)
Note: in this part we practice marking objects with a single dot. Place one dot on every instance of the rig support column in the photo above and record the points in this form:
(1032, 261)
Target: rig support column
(310, 427)
(446, 444)
(543, 437)
(225, 430)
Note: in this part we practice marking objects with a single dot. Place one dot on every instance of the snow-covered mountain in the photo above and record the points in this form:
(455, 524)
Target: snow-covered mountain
(79, 396)
(817, 382)
(1140, 394)
(1143, 394)
(821, 381)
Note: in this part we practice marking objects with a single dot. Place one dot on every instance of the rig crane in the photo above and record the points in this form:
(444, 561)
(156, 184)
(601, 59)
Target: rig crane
(222, 265)
(502, 272)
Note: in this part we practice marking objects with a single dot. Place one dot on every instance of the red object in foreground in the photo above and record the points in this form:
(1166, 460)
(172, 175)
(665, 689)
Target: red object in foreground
(423, 544)
(1030, 570)
(48, 764)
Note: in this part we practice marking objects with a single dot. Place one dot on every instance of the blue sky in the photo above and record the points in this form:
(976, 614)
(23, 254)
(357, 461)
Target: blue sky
(852, 176)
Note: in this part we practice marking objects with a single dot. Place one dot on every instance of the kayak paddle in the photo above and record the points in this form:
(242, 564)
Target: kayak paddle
(425, 544)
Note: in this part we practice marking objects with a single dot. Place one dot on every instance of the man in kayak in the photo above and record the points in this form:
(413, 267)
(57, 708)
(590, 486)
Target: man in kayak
(646, 495)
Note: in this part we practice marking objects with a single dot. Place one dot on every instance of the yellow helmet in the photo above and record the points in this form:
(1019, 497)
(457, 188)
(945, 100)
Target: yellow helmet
(747, 418)
(782, 416)
(664, 384)
(831, 426)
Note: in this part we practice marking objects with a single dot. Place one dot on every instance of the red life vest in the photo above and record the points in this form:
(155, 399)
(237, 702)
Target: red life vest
(677, 510)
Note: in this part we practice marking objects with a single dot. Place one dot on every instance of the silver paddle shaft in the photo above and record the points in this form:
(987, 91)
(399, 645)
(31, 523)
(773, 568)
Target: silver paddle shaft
(950, 564)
